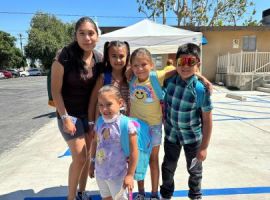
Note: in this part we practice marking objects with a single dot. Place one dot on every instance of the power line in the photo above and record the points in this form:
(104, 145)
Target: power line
(75, 15)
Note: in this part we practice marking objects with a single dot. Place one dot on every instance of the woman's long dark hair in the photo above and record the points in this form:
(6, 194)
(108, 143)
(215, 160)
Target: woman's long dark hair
(74, 50)
(106, 59)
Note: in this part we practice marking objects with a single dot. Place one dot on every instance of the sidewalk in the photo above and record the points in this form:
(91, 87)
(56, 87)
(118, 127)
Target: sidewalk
(238, 157)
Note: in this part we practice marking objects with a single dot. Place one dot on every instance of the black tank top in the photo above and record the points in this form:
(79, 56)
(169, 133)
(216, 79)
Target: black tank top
(77, 86)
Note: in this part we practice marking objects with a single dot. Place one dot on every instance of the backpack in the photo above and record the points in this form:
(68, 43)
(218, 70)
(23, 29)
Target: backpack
(200, 92)
(161, 92)
(143, 141)
(49, 89)
(97, 59)
(107, 78)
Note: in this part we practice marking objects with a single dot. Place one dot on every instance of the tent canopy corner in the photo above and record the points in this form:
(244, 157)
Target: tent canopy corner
(157, 38)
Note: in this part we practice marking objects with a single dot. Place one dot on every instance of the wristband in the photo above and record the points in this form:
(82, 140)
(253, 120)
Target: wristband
(92, 160)
(91, 123)
(65, 116)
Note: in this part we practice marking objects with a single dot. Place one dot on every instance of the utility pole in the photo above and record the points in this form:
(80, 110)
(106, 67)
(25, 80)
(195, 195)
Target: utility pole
(21, 38)
(20, 35)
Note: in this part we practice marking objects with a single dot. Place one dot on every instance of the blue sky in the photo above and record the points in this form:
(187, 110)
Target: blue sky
(106, 12)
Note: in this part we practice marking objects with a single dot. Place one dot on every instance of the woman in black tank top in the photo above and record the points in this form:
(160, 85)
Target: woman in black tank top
(73, 77)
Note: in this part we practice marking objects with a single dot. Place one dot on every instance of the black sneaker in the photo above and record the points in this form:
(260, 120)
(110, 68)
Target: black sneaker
(139, 197)
(154, 198)
(82, 196)
(197, 198)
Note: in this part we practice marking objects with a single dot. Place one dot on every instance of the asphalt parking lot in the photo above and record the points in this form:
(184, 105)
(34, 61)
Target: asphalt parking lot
(237, 166)
(23, 109)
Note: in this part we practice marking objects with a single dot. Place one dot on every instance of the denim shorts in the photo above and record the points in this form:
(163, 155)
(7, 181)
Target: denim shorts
(156, 134)
(81, 125)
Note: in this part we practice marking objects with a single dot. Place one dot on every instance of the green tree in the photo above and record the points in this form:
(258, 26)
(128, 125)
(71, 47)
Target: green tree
(18, 60)
(251, 22)
(200, 12)
(155, 8)
(212, 12)
(47, 34)
(230, 11)
(10, 55)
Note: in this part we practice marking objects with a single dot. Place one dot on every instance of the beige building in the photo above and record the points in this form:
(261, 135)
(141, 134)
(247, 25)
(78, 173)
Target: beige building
(224, 41)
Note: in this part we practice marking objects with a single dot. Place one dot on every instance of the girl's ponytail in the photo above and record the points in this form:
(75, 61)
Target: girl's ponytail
(106, 59)
(128, 52)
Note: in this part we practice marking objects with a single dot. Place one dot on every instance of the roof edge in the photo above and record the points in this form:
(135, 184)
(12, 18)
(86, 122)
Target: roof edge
(107, 29)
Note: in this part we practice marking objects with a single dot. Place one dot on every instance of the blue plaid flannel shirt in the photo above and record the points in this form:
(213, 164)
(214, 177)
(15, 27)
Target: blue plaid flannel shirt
(183, 118)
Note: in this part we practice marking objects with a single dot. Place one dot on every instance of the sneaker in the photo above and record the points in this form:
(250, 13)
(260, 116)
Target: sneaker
(82, 196)
(139, 197)
(197, 198)
(161, 198)
(154, 198)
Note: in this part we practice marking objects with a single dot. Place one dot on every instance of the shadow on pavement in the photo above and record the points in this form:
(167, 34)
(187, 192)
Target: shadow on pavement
(49, 115)
(53, 193)
(24, 194)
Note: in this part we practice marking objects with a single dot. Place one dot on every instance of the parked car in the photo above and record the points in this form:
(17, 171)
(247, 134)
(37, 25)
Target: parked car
(15, 73)
(2, 75)
(34, 72)
(24, 73)
(6, 73)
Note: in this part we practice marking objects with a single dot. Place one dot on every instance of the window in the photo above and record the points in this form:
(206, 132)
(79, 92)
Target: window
(157, 61)
(249, 43)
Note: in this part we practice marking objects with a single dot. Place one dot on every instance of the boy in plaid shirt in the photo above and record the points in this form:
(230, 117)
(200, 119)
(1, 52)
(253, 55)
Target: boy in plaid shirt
(187, 124)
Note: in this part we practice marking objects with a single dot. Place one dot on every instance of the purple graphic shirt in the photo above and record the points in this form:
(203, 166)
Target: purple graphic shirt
(111, 162)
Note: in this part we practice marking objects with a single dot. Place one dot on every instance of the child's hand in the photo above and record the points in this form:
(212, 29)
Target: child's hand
(201, 155)
(205, 81)
(129, 182)
(208, 85)
(69, 126)
(92, 170)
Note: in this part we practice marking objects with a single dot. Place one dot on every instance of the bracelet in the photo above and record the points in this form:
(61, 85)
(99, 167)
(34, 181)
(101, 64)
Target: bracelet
(65, 116)
(92, 160)
(90, 123)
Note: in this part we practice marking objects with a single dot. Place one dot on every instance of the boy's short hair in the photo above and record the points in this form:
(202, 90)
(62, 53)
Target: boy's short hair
(189, 48)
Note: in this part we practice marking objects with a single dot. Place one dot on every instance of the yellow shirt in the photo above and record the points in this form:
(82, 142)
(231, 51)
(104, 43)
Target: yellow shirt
(144, 104)
(169, 67)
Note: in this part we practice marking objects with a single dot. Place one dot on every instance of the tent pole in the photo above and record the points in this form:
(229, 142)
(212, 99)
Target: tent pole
(201, 64)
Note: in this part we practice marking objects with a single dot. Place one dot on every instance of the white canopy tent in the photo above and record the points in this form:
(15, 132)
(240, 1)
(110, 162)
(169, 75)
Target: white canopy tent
(157, 38)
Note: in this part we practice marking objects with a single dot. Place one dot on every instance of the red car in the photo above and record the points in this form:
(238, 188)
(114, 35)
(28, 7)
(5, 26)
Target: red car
(6, 73)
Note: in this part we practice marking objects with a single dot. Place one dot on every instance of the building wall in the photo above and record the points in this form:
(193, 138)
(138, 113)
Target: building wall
(165, 57)
(221, 42)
